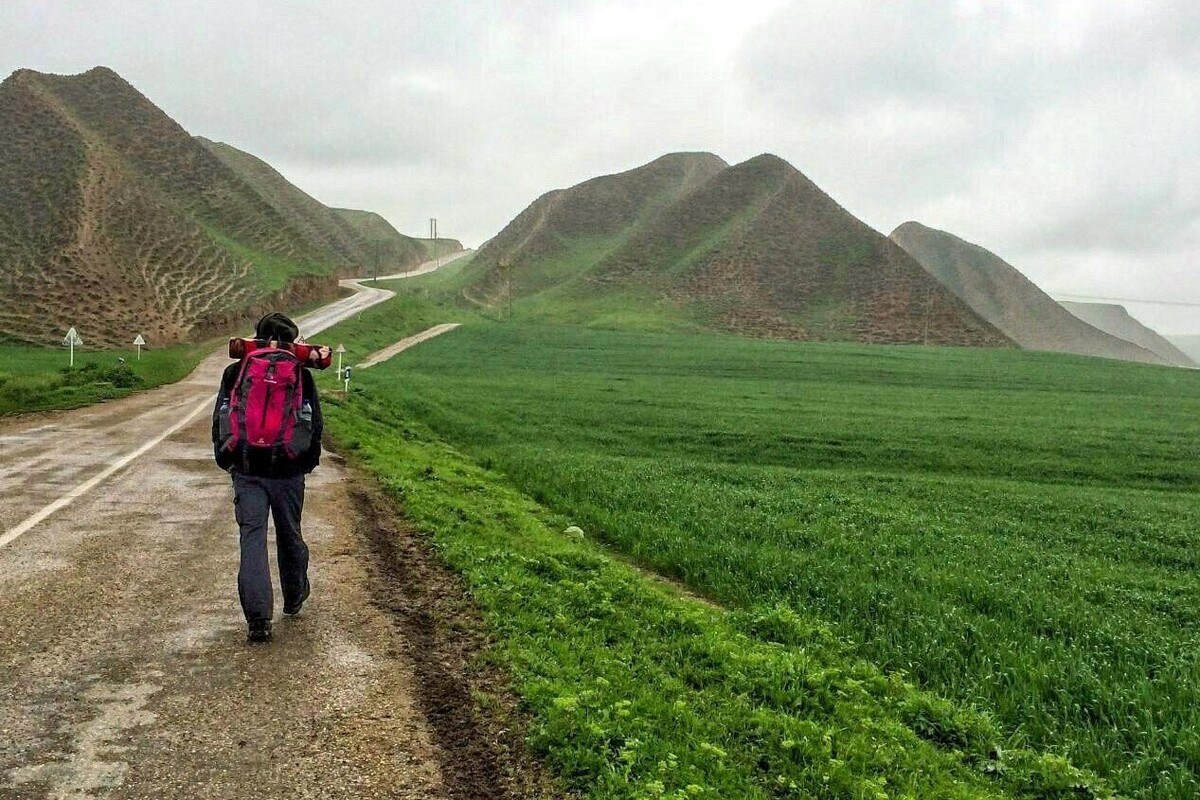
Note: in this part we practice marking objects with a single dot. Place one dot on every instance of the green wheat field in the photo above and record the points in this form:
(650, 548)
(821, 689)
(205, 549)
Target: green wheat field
(906, 571)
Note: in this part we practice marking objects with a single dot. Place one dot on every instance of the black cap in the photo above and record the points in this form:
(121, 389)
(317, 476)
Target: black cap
(276, 326)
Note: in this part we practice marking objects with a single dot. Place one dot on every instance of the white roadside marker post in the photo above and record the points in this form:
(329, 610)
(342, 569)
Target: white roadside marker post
(346, 378)
(72, 339)
(140, 342)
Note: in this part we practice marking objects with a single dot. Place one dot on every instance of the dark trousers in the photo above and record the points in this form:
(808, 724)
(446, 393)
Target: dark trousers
(253, 499)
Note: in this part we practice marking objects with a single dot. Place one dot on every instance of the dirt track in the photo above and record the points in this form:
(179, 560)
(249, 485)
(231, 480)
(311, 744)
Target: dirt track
(124, 671)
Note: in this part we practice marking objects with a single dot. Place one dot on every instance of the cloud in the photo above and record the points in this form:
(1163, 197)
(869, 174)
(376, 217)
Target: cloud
(1058, 134)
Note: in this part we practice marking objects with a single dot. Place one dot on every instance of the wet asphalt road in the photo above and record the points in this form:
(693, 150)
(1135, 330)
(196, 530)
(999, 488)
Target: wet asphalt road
(124, 671)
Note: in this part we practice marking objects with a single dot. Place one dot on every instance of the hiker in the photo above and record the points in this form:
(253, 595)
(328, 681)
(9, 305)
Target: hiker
(268, 441)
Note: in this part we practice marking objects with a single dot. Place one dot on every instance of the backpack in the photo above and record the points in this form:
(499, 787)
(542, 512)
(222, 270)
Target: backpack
(266, 410)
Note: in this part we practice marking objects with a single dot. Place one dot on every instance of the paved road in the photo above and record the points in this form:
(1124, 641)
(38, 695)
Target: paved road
(123, 667)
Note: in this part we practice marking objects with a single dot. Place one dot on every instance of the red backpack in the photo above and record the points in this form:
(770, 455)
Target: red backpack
(266, 406)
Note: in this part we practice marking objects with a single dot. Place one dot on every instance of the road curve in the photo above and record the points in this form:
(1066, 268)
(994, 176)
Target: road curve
(123, 667)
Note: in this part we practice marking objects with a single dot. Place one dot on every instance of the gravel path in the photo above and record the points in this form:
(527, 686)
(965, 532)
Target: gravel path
(402, 345)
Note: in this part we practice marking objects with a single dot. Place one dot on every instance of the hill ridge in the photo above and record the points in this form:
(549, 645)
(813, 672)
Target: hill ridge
(1002, 294)
(755, 248)
(117, 221)
(579, 225)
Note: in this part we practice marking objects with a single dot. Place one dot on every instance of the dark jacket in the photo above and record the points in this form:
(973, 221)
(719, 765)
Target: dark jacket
(259, 462)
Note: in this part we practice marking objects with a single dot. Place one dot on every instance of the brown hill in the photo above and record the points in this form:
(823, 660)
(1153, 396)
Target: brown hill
(322, 227)
(361, 238)
(755, 248)
(117, 221)
(567, 231)
(1117, 321)
(763, 250)
(388, 249)
(1009, 300)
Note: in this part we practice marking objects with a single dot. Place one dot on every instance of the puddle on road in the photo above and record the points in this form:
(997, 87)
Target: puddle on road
(213, 620)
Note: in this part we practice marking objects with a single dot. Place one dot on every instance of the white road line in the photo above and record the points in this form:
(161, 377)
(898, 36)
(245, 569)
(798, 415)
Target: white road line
(12, 533)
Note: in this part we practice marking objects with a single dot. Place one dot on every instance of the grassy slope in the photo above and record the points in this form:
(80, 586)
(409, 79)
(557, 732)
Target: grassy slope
(1014, 530)
(322, 227)
(706, 699)
(617, 308)
(38, 378)
(555, 245)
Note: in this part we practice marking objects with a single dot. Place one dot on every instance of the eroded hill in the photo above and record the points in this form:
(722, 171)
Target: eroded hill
(754, 248)
(567, 232)
(320, 225)
(1009, 300)
(115, 220)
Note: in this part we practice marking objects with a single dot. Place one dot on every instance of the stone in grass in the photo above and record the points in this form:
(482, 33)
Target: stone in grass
(574, 532)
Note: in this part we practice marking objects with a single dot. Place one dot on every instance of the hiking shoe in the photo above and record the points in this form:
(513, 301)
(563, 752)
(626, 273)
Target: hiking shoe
(260, 631)
(292, 609)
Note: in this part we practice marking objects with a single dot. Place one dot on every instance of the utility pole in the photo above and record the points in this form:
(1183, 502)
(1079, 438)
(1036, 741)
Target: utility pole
(433, 243)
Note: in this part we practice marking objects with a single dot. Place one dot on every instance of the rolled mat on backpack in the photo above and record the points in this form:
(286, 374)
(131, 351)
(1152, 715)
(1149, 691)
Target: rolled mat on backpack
(314, 356)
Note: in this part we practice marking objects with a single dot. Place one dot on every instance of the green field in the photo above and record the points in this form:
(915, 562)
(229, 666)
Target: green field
(1015, 532)
(39, 378)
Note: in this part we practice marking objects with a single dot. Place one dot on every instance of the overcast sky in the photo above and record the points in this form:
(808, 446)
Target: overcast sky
(1061, 135)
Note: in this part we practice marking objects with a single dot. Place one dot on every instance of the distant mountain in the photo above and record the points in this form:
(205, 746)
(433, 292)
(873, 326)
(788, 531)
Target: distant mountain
(115, 220)
(363, 238)
(1188, 343)
(754, 248)
(387, 248)
(1009, 300)
(1116, 320)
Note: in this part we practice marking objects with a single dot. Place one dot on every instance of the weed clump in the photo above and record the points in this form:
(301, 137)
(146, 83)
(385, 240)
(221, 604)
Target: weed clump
(119, 375)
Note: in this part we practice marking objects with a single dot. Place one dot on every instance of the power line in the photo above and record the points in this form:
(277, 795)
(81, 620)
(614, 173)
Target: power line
(1088, 297)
